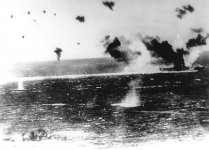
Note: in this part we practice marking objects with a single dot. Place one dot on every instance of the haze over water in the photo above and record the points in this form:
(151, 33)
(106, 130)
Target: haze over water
(129, 98)
(98, 111)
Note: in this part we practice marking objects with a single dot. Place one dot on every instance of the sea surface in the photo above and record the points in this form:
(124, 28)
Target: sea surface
(106, 111)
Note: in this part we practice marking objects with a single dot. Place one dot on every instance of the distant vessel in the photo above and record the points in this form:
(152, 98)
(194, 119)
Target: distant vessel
(166, 78)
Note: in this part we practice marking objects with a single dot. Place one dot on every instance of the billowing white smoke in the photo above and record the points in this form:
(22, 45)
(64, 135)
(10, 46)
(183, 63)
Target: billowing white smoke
(179, 42)
(139, 63)
(194, 54)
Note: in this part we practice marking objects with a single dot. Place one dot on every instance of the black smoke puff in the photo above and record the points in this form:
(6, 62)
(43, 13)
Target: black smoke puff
(198, 41)
(80, 19)
(109, 4)
(118, 52)
(183, 10)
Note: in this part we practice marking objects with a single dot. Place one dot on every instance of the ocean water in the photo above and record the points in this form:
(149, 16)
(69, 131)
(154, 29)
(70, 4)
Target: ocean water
(107, 111)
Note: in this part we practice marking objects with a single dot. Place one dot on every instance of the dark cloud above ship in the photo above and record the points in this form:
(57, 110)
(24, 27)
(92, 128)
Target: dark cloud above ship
(165, 52)
(109, 4)
(198, 41)
(119, 51)
(197, 30)
(80, 19)
(181, 12)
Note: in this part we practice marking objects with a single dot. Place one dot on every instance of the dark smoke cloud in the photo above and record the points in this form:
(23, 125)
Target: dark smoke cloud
(109, 4)
(182, 11)
(113, 50)
(118, 52)
(198, 41)
(165, 51)
(80, 18)
(189, 8)
(197, 30)
(58, 51)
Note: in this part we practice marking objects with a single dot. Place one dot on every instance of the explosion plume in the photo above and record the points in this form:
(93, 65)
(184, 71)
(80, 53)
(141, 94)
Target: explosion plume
(120, 50)
(165, 52)
(58, 52)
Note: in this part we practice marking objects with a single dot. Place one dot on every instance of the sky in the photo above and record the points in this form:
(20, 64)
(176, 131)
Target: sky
(128, 18)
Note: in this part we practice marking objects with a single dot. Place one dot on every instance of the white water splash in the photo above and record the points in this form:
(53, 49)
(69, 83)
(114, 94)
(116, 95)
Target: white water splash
(131, 100)
(55, 104)
(20, 85)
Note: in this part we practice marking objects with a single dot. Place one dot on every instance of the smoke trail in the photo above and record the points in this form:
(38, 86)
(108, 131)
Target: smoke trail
(181, 12)
(109, 4)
